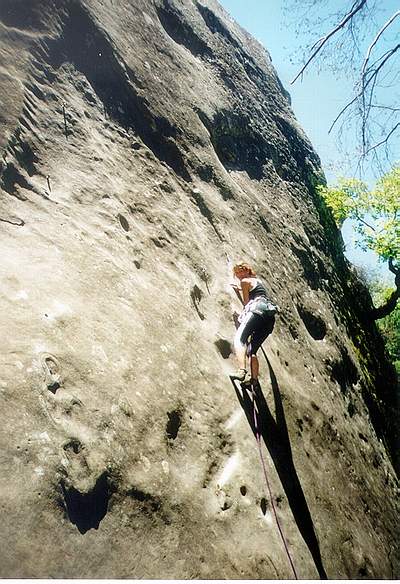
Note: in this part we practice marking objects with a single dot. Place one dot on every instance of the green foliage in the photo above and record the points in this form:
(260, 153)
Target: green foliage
(343, 198)
(376, 213)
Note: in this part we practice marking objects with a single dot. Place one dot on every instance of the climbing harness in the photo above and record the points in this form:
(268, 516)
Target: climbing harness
(259, 306)
(259, 444)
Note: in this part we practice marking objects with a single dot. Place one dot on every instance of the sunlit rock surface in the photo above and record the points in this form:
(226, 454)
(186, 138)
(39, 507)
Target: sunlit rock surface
(144, 147)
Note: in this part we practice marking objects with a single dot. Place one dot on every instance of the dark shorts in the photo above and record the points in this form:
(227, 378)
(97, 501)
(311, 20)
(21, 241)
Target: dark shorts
(255, 330)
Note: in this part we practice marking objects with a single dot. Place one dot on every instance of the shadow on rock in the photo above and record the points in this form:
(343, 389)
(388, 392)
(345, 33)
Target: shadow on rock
(276, 437)
(87, 510)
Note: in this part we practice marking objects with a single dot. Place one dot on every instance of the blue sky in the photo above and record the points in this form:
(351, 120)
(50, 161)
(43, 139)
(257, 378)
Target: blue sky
(317, 98)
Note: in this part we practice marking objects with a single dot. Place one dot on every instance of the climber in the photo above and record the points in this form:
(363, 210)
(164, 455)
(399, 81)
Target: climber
(256, 321)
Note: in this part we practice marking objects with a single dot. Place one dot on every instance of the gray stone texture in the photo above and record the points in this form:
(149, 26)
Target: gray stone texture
(144, 147)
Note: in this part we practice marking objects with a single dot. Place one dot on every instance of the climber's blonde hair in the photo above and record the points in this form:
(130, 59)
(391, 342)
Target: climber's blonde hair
(241, 266)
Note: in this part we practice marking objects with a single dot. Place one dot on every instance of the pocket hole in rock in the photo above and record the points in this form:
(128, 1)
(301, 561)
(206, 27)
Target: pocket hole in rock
(263, 505)
(74, 445)
(124, 222)
(224, 347)
(196, 295)
(173, 424)
(313, 323)
(87, 510)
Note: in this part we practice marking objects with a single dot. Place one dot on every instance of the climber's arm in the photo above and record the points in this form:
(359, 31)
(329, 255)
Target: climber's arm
(245, 285)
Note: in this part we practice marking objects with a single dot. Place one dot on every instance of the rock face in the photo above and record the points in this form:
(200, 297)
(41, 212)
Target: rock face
(144, 146)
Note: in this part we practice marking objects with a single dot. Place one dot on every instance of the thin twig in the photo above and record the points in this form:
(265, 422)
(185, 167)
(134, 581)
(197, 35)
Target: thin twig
(365, 113)
(372, 77)
(377, 37)
(383, 141)
(323, 40)
(387, 56)
(365, 223)
(342, 112)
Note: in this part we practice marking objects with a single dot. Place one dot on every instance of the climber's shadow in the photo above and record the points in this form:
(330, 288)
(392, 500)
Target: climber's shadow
(276, 437)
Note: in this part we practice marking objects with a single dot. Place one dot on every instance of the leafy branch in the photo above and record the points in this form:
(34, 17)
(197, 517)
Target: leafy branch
(377, 223)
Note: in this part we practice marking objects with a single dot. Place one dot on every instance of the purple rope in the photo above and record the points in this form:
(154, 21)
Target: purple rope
(258, 438)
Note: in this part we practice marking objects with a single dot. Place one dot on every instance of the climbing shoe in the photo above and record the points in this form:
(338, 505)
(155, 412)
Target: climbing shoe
(250, 384)
(241, 375)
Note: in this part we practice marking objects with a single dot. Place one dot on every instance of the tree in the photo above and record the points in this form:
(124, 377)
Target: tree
(390, 324)
(356, 41)
(376, 216)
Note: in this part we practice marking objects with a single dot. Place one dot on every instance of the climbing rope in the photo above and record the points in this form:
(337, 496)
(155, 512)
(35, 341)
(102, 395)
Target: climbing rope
(263, 465)
(264, 469)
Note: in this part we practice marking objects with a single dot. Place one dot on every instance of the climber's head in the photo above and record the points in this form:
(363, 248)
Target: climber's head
(243, 270)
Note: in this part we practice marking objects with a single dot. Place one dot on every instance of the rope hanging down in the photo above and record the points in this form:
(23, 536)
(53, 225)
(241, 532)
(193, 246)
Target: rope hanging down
(263, 465)
(258, 438)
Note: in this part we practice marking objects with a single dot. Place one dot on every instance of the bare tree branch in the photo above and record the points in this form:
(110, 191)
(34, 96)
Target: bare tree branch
(365, 223)
(342, 112)
(372, 77)
(386, 107)
(376, 39)
(391, 302)
(371, 113)
(323, 40)
(386, 56)
(384, 141)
